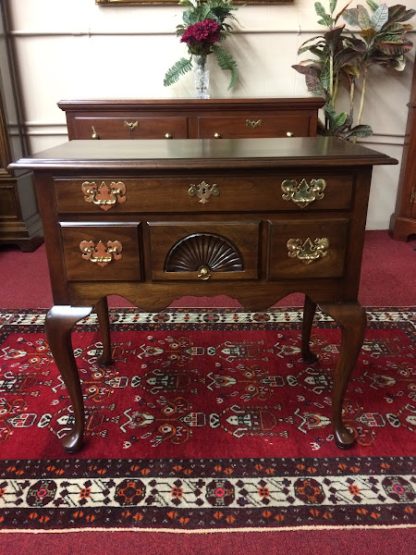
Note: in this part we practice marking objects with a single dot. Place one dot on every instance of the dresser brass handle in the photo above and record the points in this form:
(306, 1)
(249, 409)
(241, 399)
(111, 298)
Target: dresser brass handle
(103, 195)
(94, 134)
(204, 273)
(307, 251)
(217, 136)
(303, 193)
(131, 125)
(289, 134)
(100, 253)
(168, 135)
(254, 123)
(204, 191)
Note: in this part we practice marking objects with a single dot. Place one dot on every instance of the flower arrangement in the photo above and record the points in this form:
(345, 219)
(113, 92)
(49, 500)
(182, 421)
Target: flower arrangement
(343, 56)
(205, 26)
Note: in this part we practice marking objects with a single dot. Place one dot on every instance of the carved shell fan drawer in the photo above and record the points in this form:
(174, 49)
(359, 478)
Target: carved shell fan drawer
(130, 126)
(308, 249)
(252, 125)
(101, 252)
(204, 193)
(204, 251)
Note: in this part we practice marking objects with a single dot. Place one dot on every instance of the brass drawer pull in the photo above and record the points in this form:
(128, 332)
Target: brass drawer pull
(303, 193)
(100, 253)
(168, 136)
(289, 134)
(204, 191)
(103, 195)
(94, 134)
(204, 273)
(217, 136)
(254, 123)
(131, 125)
(307, 251)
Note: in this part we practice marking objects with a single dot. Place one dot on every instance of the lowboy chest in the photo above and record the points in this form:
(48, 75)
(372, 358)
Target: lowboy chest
(153, 220)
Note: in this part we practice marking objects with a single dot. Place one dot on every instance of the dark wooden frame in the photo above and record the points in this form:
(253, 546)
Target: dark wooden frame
(403, 220)
(115, 3)
(19, 219)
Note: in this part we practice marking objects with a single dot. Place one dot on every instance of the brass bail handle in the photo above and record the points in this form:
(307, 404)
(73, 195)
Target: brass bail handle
(131, 125)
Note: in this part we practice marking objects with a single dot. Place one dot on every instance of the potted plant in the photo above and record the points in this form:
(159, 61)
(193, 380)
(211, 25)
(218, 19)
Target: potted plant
(205, 27)
(343, 56)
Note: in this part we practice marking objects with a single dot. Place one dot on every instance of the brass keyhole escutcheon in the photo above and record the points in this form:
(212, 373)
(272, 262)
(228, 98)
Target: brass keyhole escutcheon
(204, 273)
(254, 123)
(203, 191)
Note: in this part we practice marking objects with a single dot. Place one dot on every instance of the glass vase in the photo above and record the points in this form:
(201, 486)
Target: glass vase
(201, 76)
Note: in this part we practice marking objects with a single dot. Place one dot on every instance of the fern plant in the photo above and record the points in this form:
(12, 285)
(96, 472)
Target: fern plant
(205, 26)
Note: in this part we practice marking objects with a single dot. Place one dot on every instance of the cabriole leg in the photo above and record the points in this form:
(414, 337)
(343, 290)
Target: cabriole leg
(104, 324)
(59, 323)
(309, 309)
(352, 320)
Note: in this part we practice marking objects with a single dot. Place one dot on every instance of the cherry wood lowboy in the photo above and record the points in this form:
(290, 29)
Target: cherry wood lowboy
(153, 220)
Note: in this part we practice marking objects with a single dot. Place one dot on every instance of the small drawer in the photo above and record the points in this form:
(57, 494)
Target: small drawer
(308, 249)
(249, 125)
(204, 251)
(130, 126)
(95, 252)
(206, 193)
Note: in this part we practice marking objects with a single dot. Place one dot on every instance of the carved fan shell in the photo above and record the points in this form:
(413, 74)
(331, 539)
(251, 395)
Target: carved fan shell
(201, 249)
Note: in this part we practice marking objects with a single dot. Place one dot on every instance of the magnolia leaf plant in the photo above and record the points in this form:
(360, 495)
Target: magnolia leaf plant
(355, 39)
(205, 27)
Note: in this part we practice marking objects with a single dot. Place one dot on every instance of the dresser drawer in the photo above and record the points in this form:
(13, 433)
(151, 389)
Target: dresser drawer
(101, 252)
(220, 193)
(253, 125)
(204, 251)
(130, 126)
(308, 249)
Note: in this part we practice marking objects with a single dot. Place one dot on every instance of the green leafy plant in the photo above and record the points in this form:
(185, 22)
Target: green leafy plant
(205, 26)
(343, 56)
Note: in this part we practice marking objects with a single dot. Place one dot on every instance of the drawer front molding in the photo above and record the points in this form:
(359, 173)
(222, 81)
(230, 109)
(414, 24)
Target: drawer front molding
(303, 249)
(194, 251)
(282, 191)
(102, 251)
(128, 126)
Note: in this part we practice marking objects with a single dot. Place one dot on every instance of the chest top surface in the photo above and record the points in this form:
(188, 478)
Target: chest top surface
(204, 153)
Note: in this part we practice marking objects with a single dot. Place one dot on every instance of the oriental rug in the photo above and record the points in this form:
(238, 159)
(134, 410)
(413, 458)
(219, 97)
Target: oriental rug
(208, 420)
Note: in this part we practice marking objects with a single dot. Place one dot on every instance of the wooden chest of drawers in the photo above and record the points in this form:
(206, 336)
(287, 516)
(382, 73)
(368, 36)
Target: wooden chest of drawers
(156, 220)
(190, 118)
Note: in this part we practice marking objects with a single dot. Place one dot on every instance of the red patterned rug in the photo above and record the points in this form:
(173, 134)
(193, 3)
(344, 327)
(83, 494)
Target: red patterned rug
(208, 419)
